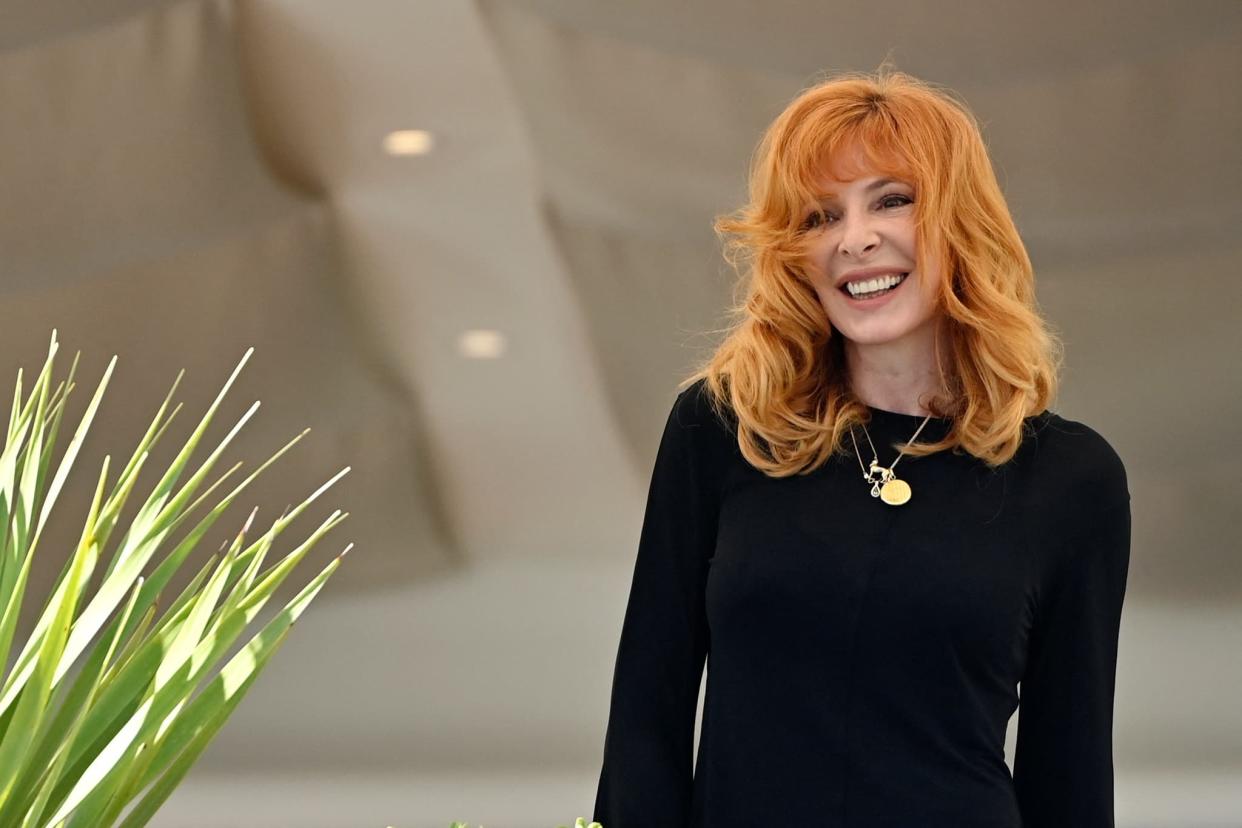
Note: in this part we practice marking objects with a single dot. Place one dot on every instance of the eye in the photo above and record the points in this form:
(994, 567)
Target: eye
(904, 200)
(890, 201)
(813, 220)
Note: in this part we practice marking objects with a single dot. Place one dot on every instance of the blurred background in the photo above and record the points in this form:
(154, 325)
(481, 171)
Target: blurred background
(470, 243)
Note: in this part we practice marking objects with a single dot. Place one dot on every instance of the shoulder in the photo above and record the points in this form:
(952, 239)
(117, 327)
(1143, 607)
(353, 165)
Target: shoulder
(1076, 460)
(707, 424)
(696, 408)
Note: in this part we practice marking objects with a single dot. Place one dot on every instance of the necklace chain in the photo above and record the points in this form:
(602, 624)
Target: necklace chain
(887, 485)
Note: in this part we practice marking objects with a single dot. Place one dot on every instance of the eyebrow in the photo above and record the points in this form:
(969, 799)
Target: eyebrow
(874, 185)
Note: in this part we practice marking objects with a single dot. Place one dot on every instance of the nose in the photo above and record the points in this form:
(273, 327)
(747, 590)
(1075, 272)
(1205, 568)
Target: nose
(858, 236)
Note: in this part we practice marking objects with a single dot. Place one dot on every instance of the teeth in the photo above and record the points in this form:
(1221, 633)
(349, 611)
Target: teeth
(872, 285)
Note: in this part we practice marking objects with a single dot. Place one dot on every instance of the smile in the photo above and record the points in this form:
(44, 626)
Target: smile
(868, 290)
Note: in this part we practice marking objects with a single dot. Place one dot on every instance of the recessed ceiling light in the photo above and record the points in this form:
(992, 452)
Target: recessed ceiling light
(408, 142)
(481, 344)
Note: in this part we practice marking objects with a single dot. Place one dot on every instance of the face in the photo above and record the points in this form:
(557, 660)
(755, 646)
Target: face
(867, 236)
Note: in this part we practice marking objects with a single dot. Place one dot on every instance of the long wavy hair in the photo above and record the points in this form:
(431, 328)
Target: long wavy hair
(781, 370)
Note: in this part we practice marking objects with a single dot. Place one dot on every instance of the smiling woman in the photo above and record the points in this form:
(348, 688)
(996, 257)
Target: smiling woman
(870, 220)
(861, 179)
(866, 643)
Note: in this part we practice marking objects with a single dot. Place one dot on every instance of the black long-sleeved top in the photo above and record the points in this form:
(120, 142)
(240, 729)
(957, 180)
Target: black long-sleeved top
(863, 660)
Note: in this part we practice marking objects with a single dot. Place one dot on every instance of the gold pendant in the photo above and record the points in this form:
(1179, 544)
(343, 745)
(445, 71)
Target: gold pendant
(895, 492)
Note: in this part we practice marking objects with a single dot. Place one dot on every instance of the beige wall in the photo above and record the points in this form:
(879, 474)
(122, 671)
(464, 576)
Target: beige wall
(181, 181)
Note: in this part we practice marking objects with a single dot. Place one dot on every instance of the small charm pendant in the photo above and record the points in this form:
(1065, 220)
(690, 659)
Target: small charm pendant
(877, 476)
(895, 492)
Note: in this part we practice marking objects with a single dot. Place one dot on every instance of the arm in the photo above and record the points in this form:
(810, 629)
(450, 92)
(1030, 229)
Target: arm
(1063, 763)
(647, 775)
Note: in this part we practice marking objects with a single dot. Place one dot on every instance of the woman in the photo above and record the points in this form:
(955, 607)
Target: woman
(864, 511)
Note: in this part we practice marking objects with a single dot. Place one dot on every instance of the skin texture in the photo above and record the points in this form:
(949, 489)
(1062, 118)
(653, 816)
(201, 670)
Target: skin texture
(889, 347)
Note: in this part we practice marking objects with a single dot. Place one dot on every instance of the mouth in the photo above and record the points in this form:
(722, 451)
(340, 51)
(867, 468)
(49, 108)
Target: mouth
(868, 290)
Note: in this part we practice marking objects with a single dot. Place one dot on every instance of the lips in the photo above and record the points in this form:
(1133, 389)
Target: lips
(869, 273)
(873, 291)
(863, 286)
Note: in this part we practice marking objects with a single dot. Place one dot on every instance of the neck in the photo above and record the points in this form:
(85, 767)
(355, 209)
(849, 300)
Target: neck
(899, 375)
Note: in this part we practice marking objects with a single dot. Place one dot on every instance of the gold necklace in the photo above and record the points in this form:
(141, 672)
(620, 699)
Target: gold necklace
(884, 481)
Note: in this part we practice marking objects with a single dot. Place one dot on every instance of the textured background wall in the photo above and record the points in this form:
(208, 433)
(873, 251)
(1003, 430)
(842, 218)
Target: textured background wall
(182, 181)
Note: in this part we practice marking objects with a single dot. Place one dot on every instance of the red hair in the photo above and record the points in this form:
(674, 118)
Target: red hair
(781, 367)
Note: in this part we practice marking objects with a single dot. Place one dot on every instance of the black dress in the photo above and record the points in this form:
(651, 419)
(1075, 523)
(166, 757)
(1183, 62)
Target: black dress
(863, 660)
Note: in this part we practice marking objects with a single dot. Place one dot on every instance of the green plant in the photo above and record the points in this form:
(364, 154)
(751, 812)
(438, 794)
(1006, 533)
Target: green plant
(76, 749)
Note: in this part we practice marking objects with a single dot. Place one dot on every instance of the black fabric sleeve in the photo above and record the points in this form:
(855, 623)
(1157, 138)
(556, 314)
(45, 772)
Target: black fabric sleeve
(647, 776)
(1063, 761)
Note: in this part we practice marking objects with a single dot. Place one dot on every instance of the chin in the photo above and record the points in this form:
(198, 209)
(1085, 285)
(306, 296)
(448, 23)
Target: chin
(884, 330)
(872, 338)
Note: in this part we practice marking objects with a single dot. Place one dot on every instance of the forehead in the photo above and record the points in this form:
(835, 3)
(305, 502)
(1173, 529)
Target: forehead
(853, 165)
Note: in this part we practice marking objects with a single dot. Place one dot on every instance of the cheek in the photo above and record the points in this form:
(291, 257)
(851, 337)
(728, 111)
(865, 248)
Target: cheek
(824, 293)
(819, 282)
